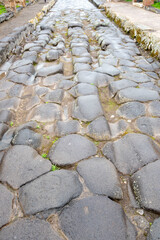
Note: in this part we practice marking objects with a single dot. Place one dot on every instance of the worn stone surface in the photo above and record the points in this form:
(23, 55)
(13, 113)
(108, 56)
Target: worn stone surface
(6, 198)
(114, 87)
(131, 110)
(145, 184)
(87, 108)
(11, 103)
(149, 126)
(131, 152)
(94, 218)
(83, 89)
(29, 229)
(71, 149)
(154, 108)
(3, 129)
(108, 69)
(5, 116)
(47, 71)
(52, 190)
(118, 128)
(55, 96)
(22, 164)
(136, 94)
(68, 127)
(154, 232)
(45, 113)
(101, 177)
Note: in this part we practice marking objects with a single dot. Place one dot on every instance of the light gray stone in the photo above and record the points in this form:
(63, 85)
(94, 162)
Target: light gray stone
(81, 67)
(55, 96)
(114, 87)
(53, 80)
(46, 71)
(154, 108)
(136, 77)
(52, 190)
(11, 103)
(66, 84)
(149, 126)
(16, 91)
(108, 69)
(21, 164)
(83, 89)
(131, 110)
(69, 127)
(71, 149)
(3, 129)
(53, 55)
(118, 128)
(101, 177)
(131, 152)
(34, 101)
(5, 116)
(154, 232)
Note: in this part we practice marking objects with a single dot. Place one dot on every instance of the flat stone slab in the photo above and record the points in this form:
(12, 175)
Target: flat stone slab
(87, 108)
(99, 129)
(53, 55)
(83, 89)
(68, 127)
(27, 137)
(154, 108)
(118, 128)
(136, 94)
(131, 110)
(53, 80)
(136, 77)
(52, 190)
(6, 198)
(46, 71)
(108, 69)
(81, 67)
(94, 218)
(101, 177)
(29, 229)
(55, 96)
(22, 164)
(114, 87)
(11, 103)
(3, 128)
(131, 152)
(71, 149)
(5, 116)
(48, 112)
(149, 126)
(78, 51)
(145, 184)
(93, 78)
(154, 232)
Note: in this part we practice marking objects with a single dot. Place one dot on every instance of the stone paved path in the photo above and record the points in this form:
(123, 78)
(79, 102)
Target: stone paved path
(79, 133)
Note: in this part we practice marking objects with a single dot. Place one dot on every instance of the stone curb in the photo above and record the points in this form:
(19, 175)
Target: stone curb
(7, 44)
(6, 16)
(143, 35)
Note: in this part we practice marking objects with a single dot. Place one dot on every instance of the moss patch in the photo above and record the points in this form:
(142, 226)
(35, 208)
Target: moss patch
(2, 9)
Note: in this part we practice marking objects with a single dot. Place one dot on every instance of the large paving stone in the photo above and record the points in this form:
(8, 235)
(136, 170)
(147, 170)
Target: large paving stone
(136, 94)
(33, 229)
(131, 110)
(52, 190)
(98, 79)
(27, 69)
(53, 55)
(87, 108)
(19, 78)
(20, 63)
(118, 128)
(3, 128)
(150, 126)
(83, 89)
(131, 152)
(16, 91)
(46, 71)
(101, 177)
(136, 77)
(6, 198)
(48, 112)
(71, 149)
(69, 127)
(53, 80)
(99, 129)
(81, 67)
(145, 184)
(27, 137)
(154, 232)
(11, 103)
(114, 87)
(22, 164)
(55, 96)
(96, 218)
(5, 116)
(154, 108)
(108, 69)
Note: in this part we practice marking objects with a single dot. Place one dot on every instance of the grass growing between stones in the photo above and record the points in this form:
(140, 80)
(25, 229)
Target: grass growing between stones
(2, 9)
(54, 168)
(156, 5)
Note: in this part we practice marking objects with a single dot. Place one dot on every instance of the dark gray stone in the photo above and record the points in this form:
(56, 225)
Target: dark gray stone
(34, 101)
(118, 128)
(87, 108)
(27, 137)
(11, 103)
(99, 129)
(55, 96)
(154, 232)
(114, 87)
(94, 218)
(149, 85)
(71, 149)
(108, 69)
(136, 94)
(21, 164)
(53, 80)
(66, 84)
(154, 108)
(7, 138)
(31, 56)
(131, 110)
(136, 77)
(101, 177)
(1, 156)
(95, 78)
(83, 89)
(75, 24)
(150, 126)
(145, 185)
(16, 91)
(53, 55)
(48, 112)
(52, 190)
(46, 71)
(26, 229)
(69, 127)
(6, 198)
(131, 152)
(3, 129)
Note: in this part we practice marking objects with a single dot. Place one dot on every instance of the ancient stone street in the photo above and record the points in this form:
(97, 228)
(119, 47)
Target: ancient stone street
(79, 132)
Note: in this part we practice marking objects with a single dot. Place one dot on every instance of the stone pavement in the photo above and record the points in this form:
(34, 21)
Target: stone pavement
(79, 133)
(141, 24)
